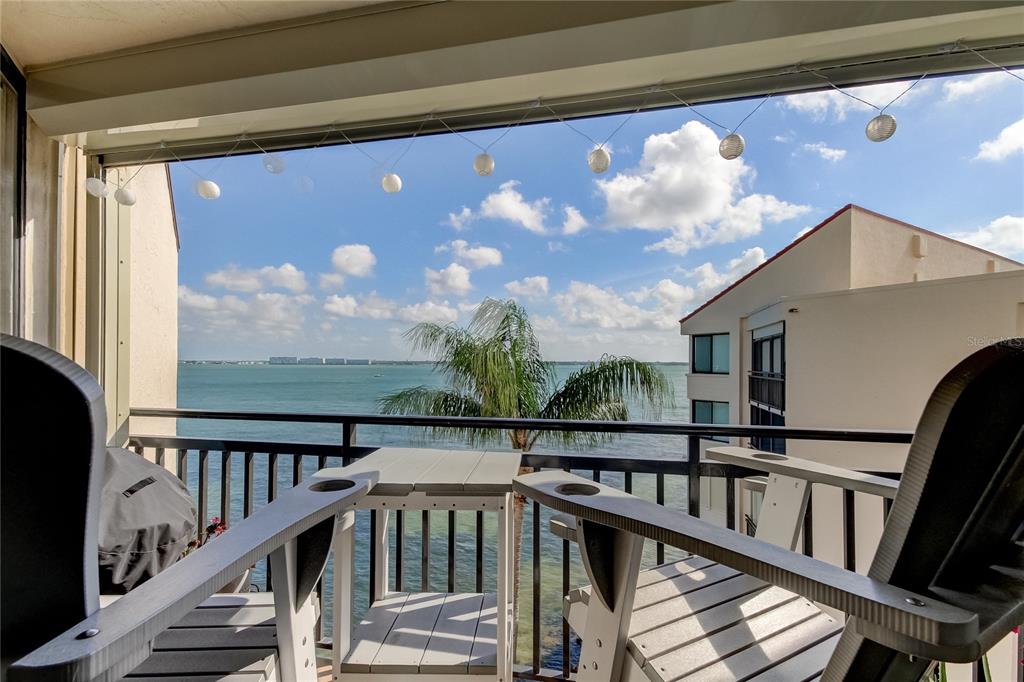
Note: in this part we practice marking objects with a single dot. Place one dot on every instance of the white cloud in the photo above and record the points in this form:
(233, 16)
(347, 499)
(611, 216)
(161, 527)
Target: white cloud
(684, 187)
(1003, 235)
(331, 281)
(508, 204)
(474, 257)
(371, 306)
(819, 105)
(825, 152)
(234, 278)
(528, 287)
(460, 221)
(1009, 141)
(262, 314)
(782, 138)
(973, 86)
(558, 247)
(585, 304)
(453, 279)
(710, 281)
(195, 300)
(428, 311)
(341, 306)
(574, 220)
(355, 260)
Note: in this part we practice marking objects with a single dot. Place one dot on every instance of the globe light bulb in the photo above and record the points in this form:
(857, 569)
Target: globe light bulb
(96, 187)
(881, 128)
(274, 164)
(125, 197)
(599, 160)
(731, 146)
(391, 183)
(483, 164)
(207, 189)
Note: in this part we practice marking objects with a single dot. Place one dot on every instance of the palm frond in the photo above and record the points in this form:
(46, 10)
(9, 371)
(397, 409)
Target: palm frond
(433, 402)
(605, 390)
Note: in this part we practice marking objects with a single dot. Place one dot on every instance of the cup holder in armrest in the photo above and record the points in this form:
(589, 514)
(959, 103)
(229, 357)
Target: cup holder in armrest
(569, 489)
(769, 456)
(332, 485)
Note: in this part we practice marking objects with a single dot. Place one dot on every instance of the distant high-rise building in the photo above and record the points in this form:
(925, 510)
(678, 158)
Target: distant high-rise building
(334, 361)
(358, 362)
(284, 360)
(311, 361)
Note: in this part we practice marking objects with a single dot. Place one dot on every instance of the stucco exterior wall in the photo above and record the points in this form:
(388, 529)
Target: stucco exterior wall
(886, 252)
(154, 299)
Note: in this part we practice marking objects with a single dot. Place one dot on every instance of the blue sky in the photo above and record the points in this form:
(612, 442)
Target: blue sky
(318, 260)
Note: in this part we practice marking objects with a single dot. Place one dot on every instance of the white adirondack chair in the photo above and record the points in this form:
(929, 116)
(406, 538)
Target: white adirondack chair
(53, 626)
(947, 581)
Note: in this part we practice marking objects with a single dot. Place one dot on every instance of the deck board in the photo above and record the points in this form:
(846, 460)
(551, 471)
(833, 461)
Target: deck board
(484, 657)
(371, 632)
(403, 648)
(451, 642)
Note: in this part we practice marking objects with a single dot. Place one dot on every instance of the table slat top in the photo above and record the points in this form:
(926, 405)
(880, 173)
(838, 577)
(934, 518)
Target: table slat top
(401, 471)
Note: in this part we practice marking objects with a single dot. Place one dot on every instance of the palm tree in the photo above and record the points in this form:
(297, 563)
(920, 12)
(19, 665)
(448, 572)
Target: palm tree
(494, 368)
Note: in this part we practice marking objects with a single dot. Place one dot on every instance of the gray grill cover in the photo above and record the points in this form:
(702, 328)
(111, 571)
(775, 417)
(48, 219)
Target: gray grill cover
(147, 518)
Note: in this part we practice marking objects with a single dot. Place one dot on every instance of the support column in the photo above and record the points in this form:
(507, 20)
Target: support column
(295, 621)
(344, 569)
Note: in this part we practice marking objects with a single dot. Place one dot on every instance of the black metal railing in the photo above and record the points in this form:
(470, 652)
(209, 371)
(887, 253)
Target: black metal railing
(683, 472)
(768, 388)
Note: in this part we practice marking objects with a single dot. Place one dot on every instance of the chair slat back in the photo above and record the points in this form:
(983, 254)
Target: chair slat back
(959, 512)
(52, 449)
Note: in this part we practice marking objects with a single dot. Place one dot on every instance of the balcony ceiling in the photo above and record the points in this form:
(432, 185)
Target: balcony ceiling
(399, 61)
(45, 32)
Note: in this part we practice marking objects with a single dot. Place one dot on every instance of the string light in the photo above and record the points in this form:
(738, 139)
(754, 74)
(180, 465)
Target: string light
(272, 163)
(96, 187)
(483, 163)
(600, 158)
(204, 187)
(732, 145)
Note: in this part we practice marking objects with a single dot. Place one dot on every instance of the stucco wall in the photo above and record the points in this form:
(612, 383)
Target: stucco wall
(884, 252)
(41, 237)
(154, 299)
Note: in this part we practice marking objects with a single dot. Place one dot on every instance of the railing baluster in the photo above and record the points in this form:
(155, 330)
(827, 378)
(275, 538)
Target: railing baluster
(730, 502)
(660, 493)
(565, 626)
(225, 488)
(296, 469)
(425, 553)
(373, 557)
(849, 531)
(183, 466)
(693, 475)
(399, 547)
(536, 587)
(271, 495)
(809, 524)
(451, 551)
(479, 551)
(247, 485)
(321, 462)
(627, 482)
(597, 475)
(204, 473)
(159, 456)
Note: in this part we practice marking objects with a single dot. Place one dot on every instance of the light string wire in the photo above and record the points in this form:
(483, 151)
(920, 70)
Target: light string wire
(650, 90)
(960, 45)
(534, 103)
(507, 130)
(412, 140)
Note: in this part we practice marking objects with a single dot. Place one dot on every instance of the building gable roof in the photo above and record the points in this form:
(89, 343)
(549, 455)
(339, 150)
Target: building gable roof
(819, 226)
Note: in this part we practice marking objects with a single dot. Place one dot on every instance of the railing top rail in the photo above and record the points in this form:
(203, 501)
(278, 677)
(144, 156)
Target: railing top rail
(659, 428)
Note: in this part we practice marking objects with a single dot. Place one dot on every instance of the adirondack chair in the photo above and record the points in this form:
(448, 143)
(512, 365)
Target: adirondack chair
(946, 584)
(51, 471)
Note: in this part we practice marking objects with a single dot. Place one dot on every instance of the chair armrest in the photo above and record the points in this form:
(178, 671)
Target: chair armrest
(921, 618)
(125, 630)
(563, 526)
(813, 472)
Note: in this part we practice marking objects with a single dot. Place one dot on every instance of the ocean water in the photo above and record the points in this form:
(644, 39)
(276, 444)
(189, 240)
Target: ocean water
(356, 390)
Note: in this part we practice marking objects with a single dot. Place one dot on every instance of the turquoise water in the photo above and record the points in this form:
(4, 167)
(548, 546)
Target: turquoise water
(355, 390)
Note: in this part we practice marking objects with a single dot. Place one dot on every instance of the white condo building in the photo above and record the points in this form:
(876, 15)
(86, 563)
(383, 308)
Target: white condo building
(850, 326)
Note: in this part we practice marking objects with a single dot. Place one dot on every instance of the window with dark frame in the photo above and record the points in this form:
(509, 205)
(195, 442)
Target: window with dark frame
(710, 412)
(709, 354)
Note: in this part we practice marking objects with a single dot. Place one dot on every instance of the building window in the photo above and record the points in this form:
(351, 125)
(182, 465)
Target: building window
(762, 417)
(710, 354)
(13, 121)
(710, 412)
